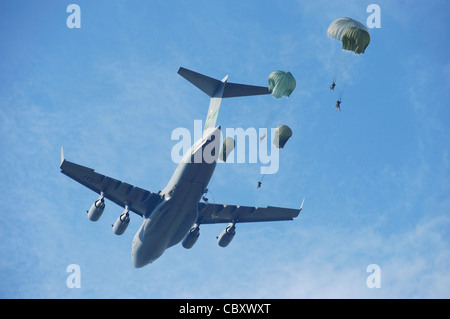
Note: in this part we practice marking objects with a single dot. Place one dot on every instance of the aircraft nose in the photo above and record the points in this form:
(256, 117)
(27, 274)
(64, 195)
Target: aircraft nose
(137, 263)
(136, 255)
(138, 259)
(144, 254)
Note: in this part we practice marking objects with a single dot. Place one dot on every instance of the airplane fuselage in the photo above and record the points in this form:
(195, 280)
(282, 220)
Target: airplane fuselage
(172, 219)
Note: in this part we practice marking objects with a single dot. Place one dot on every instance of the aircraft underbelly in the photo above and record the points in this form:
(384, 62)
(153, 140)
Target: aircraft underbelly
(171, 220)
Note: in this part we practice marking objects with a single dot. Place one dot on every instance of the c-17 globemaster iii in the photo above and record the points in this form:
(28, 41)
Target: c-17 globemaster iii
(176, 213)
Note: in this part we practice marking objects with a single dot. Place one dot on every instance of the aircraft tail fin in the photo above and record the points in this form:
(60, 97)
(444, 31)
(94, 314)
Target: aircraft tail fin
(63, 158)
(217, 90)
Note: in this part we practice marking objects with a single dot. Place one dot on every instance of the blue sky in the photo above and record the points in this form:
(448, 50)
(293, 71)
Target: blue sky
(375, 176)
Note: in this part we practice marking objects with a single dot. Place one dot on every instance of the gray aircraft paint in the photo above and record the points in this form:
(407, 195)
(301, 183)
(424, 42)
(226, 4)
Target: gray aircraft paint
(170, 214)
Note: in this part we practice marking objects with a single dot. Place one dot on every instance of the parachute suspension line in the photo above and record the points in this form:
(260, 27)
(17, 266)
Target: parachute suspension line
(340, 91)
(270, 116)
(260, 181)
(266, 137)
(205, 199)
(214, 200)
(282, 134)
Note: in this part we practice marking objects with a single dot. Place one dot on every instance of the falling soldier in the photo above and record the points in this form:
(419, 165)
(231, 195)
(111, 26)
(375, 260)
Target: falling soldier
(338, 105)
(332, 86)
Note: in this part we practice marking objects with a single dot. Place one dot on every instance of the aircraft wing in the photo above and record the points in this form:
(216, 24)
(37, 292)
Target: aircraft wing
(219, 213)
(138, 200)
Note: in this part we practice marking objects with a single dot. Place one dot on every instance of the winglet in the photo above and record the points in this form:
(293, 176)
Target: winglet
(62, 156)
(301, 207)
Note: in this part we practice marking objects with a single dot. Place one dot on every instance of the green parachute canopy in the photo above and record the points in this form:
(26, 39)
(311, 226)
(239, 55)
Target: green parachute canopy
(353, 34)
(282, 134)
(281, 83)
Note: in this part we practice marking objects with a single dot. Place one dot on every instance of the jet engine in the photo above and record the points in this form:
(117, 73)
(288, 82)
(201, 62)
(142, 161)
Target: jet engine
(96, 209)
(121, 223)
(191, 237)
(227, 235)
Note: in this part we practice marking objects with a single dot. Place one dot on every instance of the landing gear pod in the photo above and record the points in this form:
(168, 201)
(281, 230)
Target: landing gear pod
(97, 209)
(227, 235)
(121, 223)
(191, 237)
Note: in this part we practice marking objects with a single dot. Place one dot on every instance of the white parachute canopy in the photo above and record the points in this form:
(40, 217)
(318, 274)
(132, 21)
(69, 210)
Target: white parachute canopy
(281, 83)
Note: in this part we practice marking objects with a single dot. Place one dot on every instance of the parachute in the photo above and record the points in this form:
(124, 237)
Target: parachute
(227, 146)
(281, 83)
(282, 134)
(354, 35)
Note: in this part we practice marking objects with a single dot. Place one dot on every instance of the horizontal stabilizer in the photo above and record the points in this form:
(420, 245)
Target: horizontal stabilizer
(205, 83)
(209, 85)
(236, 90)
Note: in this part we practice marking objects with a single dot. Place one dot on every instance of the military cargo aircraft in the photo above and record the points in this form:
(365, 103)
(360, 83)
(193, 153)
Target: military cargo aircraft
(176, 213)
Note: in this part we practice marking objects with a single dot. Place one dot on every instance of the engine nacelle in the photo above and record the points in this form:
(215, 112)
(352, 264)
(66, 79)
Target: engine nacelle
(226, 236)
(121, 223)
(191, 237)
(96, 209)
